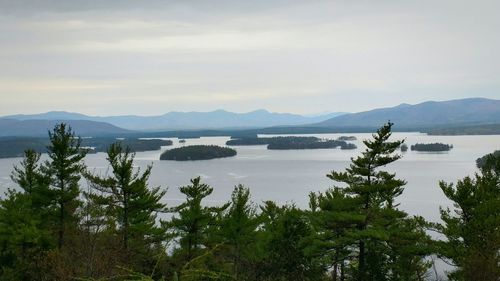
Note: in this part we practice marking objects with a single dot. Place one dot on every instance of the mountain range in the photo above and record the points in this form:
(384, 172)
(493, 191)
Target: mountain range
(471, 111)
(465, 113)
(22, 128)
(219, 119)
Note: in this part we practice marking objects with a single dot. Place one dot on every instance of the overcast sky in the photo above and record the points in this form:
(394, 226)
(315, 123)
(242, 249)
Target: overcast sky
(113, 57)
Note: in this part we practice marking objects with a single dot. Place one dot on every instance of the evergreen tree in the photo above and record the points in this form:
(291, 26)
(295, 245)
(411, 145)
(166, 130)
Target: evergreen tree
(34, 182)
(472, 229)
(335, 218)
(193, 222)
(64, 170)
(23, 233)
(28, 175)
(283, 243)
(130, 203)
(238, 230)
(375, 191)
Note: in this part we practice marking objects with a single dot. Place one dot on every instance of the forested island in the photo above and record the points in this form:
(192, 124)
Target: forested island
(197, 152)
(53, 227)
(431, 147)
(347, 138)
(15, 146)
(292, 142)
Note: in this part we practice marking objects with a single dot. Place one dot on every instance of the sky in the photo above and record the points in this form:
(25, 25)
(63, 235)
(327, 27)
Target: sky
(117, 57)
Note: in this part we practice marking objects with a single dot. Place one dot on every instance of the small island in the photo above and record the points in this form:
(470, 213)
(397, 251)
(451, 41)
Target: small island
(404, 147)
(431, 147)
(347, 138)
(197, 152)
(286, 143)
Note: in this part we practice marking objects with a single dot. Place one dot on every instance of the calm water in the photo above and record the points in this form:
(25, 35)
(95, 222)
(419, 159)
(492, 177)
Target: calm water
(288, 176)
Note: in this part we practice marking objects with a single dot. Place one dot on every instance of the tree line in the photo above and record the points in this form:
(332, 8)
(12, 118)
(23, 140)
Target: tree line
(112, 228)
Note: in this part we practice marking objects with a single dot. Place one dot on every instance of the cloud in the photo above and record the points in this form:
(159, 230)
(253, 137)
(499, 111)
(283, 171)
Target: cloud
(299, 56)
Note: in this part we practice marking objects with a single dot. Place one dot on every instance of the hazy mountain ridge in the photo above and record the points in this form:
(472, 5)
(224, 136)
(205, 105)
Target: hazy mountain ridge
(471, 111)
(12, 127)
(187, 120)
(426, 117)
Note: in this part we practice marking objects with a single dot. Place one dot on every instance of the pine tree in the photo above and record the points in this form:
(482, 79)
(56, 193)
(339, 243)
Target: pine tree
(238, 229)
(130, 203)
(382, 222)
(27, 175)
(335, 218)
(64, 170)
(192, 225)
(282, 245)
(23, 231)
(472, 229)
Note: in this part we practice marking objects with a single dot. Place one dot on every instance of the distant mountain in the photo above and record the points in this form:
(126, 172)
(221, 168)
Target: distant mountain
(187, 120)
(12, 127)
(463, 112)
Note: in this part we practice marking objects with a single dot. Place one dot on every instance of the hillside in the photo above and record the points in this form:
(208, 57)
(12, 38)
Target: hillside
(188, 120)
(473, 111)
(12, 127)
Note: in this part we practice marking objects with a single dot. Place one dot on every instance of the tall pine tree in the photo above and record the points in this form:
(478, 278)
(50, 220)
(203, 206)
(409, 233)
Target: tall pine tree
(472, 229)
(238, 229)
(382, 223)
(64, 169)
(130, 203)
(193, 222)
(24, 235)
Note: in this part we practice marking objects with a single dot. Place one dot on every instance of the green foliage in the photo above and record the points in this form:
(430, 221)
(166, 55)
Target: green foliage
(23, 237)
(130, 206)
(193, 221)
(197, 152)
(51, 230)
(238, 229)
(64, 170)
(374, 221)
(282, 244)
(23, 230)
(481, 161)
(335, 218)
(472, 228)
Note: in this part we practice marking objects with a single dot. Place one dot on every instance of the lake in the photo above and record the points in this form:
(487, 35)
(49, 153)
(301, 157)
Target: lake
(287, 176)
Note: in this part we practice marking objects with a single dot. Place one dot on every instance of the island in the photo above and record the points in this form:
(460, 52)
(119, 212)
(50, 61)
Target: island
(292, 142)
(15, 146)
(431, 147)
(347, 138)
(197, 152)
(404, 147)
